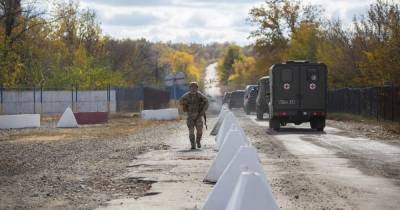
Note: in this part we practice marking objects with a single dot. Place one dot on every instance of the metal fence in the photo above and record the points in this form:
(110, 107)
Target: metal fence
(382, 103)
(55, 101)
(139, 98)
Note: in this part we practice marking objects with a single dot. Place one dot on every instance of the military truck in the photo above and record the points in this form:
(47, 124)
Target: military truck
(263, 96)
(298, 94)
(250, 95)
(226, 97)
(236, 99)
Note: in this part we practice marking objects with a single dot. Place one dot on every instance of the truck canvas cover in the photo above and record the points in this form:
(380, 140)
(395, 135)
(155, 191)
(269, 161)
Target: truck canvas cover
(299, 86)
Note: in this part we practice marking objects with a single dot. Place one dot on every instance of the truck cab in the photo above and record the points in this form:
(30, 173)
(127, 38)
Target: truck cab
(250, 95)
(263, 97)
(298, 94)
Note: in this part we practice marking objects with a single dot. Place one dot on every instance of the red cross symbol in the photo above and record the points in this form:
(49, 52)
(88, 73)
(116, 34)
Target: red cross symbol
(313, 86)
(286, 86)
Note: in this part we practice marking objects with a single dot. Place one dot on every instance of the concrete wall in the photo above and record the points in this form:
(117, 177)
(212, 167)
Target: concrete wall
(55, 102)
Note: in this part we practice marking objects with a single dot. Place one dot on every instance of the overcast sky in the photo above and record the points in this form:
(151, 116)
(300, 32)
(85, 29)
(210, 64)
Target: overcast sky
(200, 21)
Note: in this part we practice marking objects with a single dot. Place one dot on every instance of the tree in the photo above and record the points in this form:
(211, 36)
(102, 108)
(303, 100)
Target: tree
(303, 43)
(245, 73)
(184, 62)
(225, 64)
(378, 37)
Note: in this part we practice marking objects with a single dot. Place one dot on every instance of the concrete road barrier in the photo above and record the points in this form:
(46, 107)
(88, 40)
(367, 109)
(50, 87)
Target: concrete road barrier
(91, 117)
(245, 159)
(160, 114)
(235, 139)
(252, 192)
(20, 121)
(67, 120)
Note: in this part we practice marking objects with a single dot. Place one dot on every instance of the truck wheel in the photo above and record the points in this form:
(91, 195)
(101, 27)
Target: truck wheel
(274, 124)
(318, 124)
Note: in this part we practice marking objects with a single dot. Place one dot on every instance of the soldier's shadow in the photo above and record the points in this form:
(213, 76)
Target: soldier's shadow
(188, 150)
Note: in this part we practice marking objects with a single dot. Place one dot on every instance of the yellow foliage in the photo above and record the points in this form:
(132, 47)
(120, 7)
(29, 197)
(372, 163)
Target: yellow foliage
(180, 61)
(245, 73)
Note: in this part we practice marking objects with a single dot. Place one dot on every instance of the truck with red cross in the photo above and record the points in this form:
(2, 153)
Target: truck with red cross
(298, 94)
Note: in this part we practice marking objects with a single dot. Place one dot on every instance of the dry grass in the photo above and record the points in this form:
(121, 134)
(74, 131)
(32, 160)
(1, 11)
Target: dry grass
(392, 127)
(118, 126)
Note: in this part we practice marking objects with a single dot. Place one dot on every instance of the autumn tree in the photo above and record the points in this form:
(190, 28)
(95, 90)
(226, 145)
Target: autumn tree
(16, 19)
(231, 54)
(377, 36)
(245, 73)
(184, 62)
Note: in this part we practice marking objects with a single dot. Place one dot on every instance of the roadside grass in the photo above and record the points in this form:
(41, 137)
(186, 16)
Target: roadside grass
(119, 125)
(388, 126)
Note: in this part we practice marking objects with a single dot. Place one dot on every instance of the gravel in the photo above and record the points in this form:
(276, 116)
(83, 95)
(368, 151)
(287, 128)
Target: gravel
(79, 173)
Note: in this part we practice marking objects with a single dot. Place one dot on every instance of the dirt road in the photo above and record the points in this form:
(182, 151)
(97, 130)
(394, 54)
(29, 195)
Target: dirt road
(151, 168)
(336, 169)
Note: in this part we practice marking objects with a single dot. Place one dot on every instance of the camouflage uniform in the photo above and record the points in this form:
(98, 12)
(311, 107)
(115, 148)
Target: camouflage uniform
(195, 105)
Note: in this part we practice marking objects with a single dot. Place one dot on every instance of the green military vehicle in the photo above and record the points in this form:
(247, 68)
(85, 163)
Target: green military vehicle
(262, 97)
(298, 94)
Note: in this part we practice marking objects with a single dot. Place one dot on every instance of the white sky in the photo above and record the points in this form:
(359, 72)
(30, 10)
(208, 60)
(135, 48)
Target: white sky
(200, 21)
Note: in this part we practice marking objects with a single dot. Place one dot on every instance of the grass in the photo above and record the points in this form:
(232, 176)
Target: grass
(389, 126)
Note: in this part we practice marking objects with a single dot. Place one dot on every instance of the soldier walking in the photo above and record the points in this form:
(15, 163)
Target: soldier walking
(195, 104)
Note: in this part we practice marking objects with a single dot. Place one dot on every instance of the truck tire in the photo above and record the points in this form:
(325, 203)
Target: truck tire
(318, 124)
(274, 124)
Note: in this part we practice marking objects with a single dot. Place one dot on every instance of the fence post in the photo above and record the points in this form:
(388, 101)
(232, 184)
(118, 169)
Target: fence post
(41, 99)
(34, 100)
(392, 102)
(1, 99)
(108, 98)
(76, 98)
(72, 98)
(377, 103)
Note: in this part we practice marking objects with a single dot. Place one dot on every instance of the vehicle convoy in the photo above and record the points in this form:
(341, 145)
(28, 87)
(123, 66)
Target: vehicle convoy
(298, 94)
(263, 96)
(226, 97)
(236, 99)
(250, 95)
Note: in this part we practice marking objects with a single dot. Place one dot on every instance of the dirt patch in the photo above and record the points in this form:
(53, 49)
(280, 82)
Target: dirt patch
(50, 168)
(116, 127)
(383, 130)
(292, 186)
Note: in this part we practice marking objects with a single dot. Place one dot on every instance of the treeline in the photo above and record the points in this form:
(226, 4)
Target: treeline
(66, 47)
(367, 53)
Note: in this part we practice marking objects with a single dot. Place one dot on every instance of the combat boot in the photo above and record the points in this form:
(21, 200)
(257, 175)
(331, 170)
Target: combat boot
(198, 140)
(192, 143)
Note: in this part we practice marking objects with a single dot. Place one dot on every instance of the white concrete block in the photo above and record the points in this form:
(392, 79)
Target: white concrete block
(234, 126)
(160, 114)
(225, 154)
(20, 121)
(220, 119)
(67, 120)
(245, 159)
(227, 122)
(252, 192)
